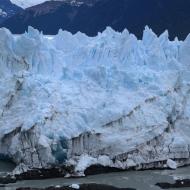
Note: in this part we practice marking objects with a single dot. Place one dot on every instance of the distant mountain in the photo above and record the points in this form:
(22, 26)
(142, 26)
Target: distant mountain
(92, 17)
(7, 9)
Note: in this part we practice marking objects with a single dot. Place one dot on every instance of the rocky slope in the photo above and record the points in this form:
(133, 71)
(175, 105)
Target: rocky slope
(7, 9)
(160, 15)
(110, 100)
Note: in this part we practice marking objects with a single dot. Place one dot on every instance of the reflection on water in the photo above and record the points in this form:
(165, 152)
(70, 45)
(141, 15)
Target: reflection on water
(6, 166)
(141, 180)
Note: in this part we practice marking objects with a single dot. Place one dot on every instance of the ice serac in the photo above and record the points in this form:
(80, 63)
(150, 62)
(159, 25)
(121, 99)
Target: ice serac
(111, 100)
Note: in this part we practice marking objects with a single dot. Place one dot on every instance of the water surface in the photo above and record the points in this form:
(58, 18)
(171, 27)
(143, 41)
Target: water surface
(6, 166)
(141, 180)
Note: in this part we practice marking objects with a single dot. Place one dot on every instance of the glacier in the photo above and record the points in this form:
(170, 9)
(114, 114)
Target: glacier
(109, 100)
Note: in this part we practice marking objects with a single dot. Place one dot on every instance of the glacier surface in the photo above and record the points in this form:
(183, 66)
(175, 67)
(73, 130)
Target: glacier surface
(111, 100)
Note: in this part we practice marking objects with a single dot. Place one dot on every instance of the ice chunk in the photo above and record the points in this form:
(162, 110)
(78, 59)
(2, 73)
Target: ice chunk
(171, 164)
(75, 186)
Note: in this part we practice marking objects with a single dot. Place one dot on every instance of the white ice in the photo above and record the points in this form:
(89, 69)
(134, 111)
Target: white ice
(125, 89)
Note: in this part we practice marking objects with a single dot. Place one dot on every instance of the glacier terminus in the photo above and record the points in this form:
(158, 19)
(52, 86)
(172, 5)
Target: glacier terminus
(111, 100)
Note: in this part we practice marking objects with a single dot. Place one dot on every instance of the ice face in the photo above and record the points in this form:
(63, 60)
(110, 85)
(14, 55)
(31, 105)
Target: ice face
(68, 97)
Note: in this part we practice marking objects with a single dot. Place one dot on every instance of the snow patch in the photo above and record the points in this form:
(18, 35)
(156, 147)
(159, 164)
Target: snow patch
(27, 3)
(3, 13)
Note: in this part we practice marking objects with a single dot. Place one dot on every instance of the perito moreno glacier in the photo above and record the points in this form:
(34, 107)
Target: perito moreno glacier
(109, 100)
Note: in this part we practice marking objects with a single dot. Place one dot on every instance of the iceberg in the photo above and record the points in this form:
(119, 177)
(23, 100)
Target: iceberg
(109, 100)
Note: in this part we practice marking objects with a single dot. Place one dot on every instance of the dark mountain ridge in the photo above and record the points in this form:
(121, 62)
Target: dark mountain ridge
(134, 15)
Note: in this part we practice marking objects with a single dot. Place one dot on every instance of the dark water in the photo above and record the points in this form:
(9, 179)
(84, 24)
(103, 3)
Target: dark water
(6, 167)
(141, 180)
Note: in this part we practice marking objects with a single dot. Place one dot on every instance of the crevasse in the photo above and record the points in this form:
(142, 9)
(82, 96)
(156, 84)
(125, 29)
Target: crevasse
(111, 99)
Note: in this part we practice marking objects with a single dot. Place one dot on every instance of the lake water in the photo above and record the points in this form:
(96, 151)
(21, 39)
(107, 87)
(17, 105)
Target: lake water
(141, 180)
(6, 167)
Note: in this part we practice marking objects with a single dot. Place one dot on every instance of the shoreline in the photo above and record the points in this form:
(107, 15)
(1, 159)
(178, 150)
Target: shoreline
(61, 172)
(141, 180)
(92, 186)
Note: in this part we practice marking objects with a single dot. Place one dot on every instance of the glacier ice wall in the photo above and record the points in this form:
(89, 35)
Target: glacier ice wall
(110, 99)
